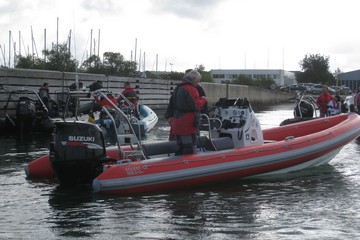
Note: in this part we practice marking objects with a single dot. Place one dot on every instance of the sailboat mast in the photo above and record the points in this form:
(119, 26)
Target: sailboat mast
(70, 42)
(135, 49)
(9, 47)
(91, 39)
(19, 43)
(157, 59)
(144, 63)
(98, 51)
(57, 35)
(44, 45)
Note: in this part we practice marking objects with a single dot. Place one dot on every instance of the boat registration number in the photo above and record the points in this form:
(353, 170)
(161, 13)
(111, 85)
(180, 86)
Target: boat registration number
(134, 171)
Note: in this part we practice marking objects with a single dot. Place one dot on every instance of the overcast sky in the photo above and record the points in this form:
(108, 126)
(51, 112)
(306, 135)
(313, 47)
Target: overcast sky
(219, 34)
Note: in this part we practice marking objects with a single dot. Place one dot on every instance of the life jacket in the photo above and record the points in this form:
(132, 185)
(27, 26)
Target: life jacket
(187, 104)
(105, 102)
(130, 94)
(333, 107)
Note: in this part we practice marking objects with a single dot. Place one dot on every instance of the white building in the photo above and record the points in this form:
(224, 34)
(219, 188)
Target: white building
(281, 77)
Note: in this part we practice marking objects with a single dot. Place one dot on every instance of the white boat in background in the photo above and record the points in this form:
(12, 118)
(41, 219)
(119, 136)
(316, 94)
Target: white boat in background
(148, 119)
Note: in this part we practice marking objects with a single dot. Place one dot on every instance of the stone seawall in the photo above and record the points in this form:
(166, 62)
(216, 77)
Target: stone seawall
(153, 92)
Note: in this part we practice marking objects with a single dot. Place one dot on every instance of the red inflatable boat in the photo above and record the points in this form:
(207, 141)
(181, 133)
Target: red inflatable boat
(235, 148)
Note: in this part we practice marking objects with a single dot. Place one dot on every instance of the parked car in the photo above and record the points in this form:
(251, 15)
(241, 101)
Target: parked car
(307, 85)
(345, 91)
(342, 90)
(317, 89)
(336, 88)
(293, 88)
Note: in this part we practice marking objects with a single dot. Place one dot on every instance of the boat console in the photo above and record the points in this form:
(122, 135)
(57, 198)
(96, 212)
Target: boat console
(239, 122)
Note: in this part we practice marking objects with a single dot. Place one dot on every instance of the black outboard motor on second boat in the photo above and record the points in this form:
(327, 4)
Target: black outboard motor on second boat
(25, 113)
(304, 110)
(76, 151)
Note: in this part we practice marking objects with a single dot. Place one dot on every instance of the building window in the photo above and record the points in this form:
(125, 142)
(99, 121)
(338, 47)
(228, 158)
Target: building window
(218, 76)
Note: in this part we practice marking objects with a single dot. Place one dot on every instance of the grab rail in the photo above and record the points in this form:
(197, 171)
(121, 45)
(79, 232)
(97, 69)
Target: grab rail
(128, 121)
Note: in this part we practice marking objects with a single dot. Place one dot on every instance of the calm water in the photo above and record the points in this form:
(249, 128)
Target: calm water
(321, 203)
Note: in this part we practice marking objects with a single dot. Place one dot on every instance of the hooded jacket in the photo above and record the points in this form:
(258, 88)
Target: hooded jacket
(187, 104)
(130, 94)
(322, 102)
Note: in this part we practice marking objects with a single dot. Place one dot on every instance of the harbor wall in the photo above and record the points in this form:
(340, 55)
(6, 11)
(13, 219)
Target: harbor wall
(152, 92)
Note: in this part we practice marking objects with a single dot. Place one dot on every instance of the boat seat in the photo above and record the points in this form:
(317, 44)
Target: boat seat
(151, 149)
(218, 144)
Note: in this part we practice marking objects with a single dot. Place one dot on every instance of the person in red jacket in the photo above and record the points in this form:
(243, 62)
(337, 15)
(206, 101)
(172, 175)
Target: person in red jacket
(130, 93)
(169, 114)
(322, 102)
(187, 105)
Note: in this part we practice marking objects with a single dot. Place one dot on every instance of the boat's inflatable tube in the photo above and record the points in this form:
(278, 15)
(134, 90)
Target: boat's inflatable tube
(40, 168)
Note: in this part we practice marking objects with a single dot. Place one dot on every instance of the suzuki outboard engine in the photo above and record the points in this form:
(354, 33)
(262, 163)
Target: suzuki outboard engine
(76, 152)
(239, 122)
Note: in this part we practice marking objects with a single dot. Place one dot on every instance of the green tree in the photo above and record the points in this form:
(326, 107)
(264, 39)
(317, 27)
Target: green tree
(59, 59)
(336, 76)
(205, 76)
(247, 80)
(264, 82)
(129, 68)
(115, 64)
(174, 75)
(92, 65)
(243, 80)
(315, 69)
(29, 62)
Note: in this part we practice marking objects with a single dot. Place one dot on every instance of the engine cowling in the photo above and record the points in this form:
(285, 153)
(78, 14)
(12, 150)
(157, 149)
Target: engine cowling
(76, 152)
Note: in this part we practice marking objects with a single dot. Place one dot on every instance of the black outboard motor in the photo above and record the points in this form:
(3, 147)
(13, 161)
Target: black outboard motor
(76, 152)
(73, 86)
(95, 86)
(25, 113)
(303, 110)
